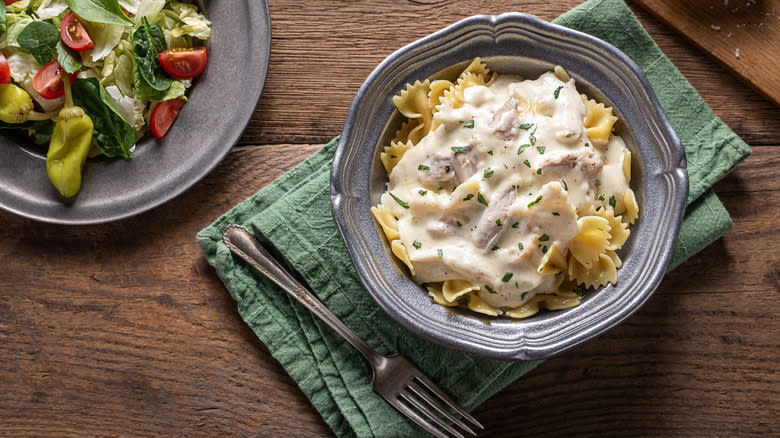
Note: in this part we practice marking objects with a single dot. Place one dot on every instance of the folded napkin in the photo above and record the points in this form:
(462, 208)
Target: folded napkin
(292, 217)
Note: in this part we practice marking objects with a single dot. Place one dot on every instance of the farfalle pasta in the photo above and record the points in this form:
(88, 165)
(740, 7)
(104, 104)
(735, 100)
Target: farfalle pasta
(504, 195)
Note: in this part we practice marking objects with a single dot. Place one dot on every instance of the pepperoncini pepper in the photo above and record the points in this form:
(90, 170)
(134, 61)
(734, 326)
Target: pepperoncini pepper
(69, 146)
(15, 104)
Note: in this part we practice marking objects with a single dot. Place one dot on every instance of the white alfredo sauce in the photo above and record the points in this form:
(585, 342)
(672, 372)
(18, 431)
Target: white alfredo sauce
(497, 183)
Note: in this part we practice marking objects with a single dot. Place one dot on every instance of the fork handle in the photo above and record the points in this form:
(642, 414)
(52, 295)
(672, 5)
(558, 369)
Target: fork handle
(241, 242)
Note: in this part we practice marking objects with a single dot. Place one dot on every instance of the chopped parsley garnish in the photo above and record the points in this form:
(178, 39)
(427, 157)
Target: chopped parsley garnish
(463, 301)
(423, 167)
(544, 238)
(459, 149)
(468, 197)
(557, 91)
(469, 124)
(565, 186)
(522, 148)
(495, 248)
(612, 201)
(540, 149)
(578, 291)
(458, 223)
(399, 200)
(520, 246)
(490, 289)
(515, 225)
(587, 144)
(544, 249)
(527, 163)
(535, 201)
(522, 296)
(447, 168)
(498, 222)
(506, 277)
(422, 192)
(481, 199)
(532, 136)
(526, 126)
(601, 197)
(488, 173)
(440, 252)
(571, 134)
(417, 244)
(539, 171)
(555, 213)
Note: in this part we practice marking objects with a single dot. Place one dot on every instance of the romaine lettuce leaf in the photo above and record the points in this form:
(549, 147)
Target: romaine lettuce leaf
(2, 19)
(130, 6)
(132, 110)
(149, 9)
(50, 8)
(105, 36)
(193, 23)
(18, 6)
(15, 24)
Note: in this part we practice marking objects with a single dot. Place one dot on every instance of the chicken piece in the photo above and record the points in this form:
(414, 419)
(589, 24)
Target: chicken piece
(588, 162)
(505, 121)
(494, 220)
(465, 164)
(439, 171)
(440, 228)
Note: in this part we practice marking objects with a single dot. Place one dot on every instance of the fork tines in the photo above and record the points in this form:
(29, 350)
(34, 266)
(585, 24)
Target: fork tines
(433, 410)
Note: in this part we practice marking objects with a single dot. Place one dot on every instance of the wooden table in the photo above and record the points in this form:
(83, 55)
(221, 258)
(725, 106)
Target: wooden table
(123, 329)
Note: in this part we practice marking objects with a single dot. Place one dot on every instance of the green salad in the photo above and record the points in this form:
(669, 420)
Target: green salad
(91, 77)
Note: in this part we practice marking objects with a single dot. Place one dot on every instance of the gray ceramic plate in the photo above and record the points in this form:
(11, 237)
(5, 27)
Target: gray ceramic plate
(525, 45)
(221, 103)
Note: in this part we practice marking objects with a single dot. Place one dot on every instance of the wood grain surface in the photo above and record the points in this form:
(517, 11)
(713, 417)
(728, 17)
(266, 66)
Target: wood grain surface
(123, 329)
(742, 35)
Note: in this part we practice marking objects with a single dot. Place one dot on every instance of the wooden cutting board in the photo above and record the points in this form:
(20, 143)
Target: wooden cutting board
(744, 35)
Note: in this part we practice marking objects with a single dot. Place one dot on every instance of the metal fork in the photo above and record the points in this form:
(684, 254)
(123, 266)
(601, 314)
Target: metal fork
(395, 378)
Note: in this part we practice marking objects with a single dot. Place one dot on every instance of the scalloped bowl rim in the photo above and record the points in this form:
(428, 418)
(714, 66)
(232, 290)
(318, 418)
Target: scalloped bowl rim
(662, 179)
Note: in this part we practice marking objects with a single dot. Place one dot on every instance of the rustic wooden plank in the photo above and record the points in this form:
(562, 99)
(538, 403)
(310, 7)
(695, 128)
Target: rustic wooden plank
(123, 329)
(308, 92)
(741, 35)
(163, 343)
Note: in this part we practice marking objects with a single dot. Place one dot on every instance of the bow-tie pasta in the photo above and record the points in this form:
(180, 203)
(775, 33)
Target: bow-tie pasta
(505, 195)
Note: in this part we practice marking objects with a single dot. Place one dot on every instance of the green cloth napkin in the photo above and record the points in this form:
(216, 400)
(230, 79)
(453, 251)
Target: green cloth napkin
(292, 217)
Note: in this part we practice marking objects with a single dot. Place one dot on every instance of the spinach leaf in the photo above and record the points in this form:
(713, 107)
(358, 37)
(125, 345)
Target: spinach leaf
(39, 38)
(148, 42)
(41, 127)
(113, 134)
(67, 60)
(100, 11)
(143, 91)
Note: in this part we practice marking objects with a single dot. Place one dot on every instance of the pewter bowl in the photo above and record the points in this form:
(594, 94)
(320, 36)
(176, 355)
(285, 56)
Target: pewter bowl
(519, 44)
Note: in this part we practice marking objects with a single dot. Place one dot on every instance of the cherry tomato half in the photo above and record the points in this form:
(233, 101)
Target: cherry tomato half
(183, 63)
(48, 81)
(5, 71)
(164, 115)
(8, 2)
(73, 33)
